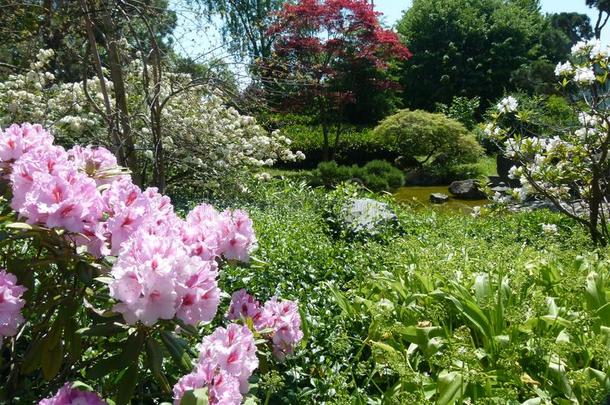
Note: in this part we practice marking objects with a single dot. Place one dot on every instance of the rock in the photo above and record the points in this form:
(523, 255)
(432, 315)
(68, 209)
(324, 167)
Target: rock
(439, 198)
(500, 189)
(365, 215)
(466, 190)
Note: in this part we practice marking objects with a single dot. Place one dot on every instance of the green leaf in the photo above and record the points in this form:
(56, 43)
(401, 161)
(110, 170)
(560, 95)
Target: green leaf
(195, 397)
(20, 225)
(127, 385)
(51, 361)
(32, 358)
(450, 387)
(177, 350)
(105, 329)
(132, 348)
(154, 358)
(104, 367)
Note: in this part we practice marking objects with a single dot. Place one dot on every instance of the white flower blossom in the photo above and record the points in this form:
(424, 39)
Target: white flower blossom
(508, 105)
(550, 229)
(564, 69)
(579, 48)
(584, 75)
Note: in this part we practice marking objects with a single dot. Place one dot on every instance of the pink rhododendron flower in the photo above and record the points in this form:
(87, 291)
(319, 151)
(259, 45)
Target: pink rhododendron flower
(224, 390)
(19, 139)
(202, 231)
(232, 350)
(243, 305)
(282, 318)
(154, 278)
(226, 361)
(198, 290)
(97, 162)
(237, 236)
(72, 396)
(195, 380)
(11, 304)
(35, 164)
(49, 190)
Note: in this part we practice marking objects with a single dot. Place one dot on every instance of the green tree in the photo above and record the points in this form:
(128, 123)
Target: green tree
(473, 48)
(575, 26)
(603, 8)
(246, 23)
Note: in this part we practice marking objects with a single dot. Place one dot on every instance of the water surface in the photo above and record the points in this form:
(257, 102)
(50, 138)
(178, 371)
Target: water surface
(420, 196)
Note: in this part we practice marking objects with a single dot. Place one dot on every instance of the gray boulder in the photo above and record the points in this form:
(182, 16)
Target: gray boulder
(466, 190)
(439, 198)
(365, 215)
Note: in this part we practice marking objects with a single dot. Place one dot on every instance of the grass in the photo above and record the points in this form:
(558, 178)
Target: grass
(487, 166)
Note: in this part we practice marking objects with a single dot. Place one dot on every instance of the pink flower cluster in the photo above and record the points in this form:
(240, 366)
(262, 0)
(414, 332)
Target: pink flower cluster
(155, 278)
(226, 362)
(166, 266)
(279, 320)
(11, 304)
(72, 396)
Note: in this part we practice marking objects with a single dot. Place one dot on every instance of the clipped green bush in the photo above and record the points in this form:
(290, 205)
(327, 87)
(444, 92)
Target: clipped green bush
(429, 139)
(377, 175)
(382, 169)
(357, 144)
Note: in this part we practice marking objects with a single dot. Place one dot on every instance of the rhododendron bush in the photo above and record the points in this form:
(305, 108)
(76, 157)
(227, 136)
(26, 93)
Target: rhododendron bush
(104, 282)
(201, 139)
(568, 166)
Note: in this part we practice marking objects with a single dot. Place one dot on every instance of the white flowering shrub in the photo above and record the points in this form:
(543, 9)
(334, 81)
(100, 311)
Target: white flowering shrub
(570, 167)
(202, 139)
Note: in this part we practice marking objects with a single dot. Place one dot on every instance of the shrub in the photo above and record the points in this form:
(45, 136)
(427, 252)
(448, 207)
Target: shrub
(357, 144)
(377, 175)
(202, 141)
(462, 109)
(428, 139)
(330, 173)
(380, 168)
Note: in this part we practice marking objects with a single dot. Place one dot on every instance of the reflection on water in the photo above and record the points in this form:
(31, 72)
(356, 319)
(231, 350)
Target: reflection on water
(420, 196)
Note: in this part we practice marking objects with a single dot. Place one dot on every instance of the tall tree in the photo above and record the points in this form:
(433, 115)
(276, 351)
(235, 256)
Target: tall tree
(473, 48)
(320, 45)
(246, 24)
(603, 14)
(576, 26)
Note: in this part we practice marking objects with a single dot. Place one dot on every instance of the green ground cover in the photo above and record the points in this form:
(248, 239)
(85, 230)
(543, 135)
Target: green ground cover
(449, 308)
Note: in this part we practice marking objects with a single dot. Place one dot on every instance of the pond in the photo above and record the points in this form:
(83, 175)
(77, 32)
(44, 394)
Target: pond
(420, 196)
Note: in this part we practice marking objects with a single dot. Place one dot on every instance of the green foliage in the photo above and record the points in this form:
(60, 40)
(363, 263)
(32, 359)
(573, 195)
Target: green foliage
(357, 145)
(377, 175)
(461, 109)
(430, 139)
(473, 48)
(406, 318)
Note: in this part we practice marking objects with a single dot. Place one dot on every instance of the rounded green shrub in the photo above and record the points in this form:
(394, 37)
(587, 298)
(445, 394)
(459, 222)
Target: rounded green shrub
(380, 168)
(432, 139)
(376, 175)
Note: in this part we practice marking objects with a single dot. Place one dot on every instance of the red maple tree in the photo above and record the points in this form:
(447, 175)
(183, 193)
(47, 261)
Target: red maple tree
(319, 44)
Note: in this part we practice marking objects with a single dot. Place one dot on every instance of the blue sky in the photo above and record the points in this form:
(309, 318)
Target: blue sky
(393, 9)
